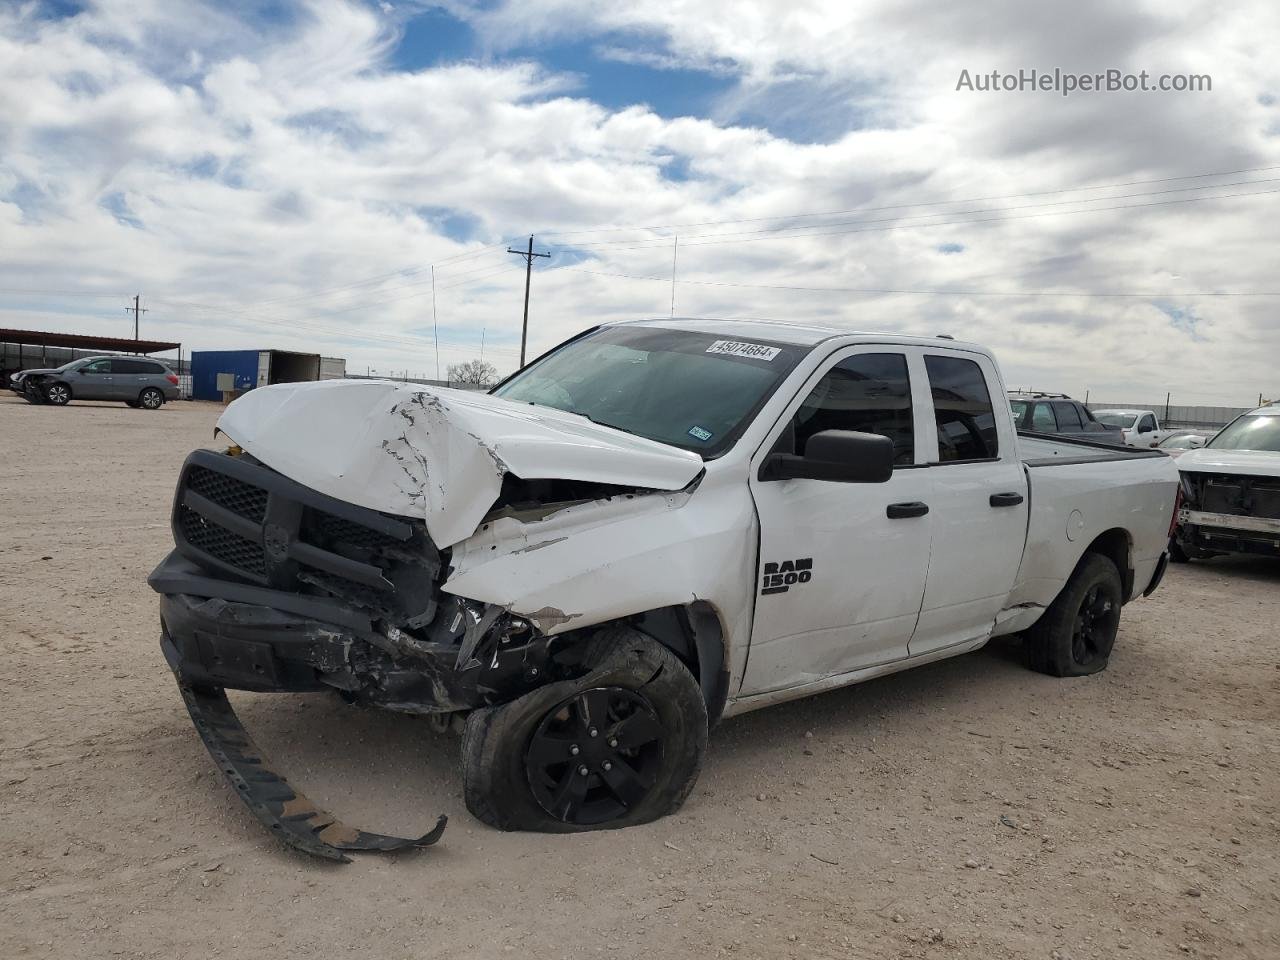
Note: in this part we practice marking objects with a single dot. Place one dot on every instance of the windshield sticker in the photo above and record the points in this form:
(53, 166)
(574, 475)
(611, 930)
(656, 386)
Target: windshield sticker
(700, 433)
(752, 351)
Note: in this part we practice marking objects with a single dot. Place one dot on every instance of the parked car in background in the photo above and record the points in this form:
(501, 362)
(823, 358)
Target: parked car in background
(134, 381)
(1139, 428)
(1231, 491)
(1180, 441)
(1058, 414)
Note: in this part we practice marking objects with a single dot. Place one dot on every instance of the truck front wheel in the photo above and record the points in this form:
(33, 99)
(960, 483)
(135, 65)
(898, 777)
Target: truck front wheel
(617, 747)
(1075, 635)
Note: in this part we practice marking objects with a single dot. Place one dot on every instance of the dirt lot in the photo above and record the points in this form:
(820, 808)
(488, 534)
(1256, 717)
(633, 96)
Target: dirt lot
(966, 809)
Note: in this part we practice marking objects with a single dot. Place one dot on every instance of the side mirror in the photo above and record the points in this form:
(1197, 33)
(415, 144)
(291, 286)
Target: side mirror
(843, 456)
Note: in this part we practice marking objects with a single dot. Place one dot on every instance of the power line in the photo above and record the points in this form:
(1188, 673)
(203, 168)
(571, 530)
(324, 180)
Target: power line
(931, 293)
(925, 203)
(897, 225)
(781, 234)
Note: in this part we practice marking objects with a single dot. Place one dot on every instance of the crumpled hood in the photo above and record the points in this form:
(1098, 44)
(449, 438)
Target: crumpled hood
(1256, 463)
(436, 453)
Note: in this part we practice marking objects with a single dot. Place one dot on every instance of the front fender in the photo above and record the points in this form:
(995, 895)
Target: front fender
(620, 556)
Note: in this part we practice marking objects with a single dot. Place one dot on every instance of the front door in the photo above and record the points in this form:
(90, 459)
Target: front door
(842, 565)
(979, 504)
(95, 382)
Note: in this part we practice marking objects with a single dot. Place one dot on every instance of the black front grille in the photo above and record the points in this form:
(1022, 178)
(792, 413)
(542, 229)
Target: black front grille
(220, 543)
(235, 515)
(230, 493)
(326, 530)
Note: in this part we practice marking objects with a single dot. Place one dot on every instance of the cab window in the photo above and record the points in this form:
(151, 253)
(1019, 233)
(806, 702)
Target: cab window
(870, 393)
(1068, 416)
(962, 409)
(1042, 419)
(1147, 424)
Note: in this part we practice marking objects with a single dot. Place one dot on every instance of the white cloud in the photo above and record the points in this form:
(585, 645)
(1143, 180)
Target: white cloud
(263, 164)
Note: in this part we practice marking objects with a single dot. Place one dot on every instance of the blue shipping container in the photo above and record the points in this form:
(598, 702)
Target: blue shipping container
(207, 364)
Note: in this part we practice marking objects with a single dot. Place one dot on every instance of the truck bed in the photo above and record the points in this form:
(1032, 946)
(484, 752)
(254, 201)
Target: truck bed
(1042, 449)
(1083, 491)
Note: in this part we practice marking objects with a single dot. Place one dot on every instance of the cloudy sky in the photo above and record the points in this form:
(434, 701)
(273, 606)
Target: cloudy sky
(285, 174)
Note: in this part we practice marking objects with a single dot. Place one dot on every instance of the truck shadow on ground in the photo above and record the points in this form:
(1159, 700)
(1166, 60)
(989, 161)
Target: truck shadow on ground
(393, 773)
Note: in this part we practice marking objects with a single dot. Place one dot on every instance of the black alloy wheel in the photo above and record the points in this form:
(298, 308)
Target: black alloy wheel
(1094, 630)
(595, 756)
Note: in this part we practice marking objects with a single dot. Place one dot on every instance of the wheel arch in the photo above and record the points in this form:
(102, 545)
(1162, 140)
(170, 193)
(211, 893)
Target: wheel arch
(1116, 545)
(695, 633)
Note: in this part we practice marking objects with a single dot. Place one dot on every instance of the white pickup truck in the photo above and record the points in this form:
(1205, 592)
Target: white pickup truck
(1138, 428)
(655, 525)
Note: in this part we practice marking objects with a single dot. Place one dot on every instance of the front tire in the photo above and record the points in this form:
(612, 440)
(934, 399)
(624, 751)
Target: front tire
(1075, 635)
(617, 747)
(59, 394)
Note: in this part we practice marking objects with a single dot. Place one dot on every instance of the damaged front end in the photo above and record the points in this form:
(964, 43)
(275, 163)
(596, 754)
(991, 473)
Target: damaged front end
(1229, 513)
(273, 586)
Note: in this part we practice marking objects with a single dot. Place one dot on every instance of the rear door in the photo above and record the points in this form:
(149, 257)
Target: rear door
(979, 503)
(842, 565)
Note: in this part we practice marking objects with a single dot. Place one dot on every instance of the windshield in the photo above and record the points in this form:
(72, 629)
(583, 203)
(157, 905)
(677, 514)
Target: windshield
(1260, 432)
(691, 390)
(1123, 420)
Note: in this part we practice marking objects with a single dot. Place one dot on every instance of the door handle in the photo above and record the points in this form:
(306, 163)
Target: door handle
(1005, 499)
(900, 511)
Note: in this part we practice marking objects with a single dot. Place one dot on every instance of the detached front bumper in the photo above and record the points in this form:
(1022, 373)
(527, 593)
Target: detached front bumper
(220, 633)
(1210, 532)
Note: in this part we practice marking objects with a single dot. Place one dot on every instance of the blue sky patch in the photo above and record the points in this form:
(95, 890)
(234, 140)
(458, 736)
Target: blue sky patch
(950, 248)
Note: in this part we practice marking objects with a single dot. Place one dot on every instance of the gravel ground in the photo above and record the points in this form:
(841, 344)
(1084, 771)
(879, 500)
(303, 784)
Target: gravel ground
(967, 809)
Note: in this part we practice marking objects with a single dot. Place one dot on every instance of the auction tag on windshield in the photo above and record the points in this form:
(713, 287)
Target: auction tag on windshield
(752, 351)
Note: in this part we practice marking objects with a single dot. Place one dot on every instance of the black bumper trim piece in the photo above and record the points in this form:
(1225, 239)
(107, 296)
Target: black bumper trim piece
(277, 804)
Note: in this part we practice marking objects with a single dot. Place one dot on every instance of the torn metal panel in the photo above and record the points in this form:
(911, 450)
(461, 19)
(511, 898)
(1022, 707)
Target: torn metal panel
(435, 453)
(277, 804)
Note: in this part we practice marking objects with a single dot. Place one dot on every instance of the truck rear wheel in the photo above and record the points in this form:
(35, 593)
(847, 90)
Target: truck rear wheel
(618, 747)
(1075, 636)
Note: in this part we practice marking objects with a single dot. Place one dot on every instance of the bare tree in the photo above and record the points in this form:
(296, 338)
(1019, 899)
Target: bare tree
(480, 372)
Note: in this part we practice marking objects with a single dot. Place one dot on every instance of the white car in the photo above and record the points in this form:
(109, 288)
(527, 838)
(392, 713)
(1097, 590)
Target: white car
(1179, 442)
(1139, 428)
(1231, 490)
(653, 526)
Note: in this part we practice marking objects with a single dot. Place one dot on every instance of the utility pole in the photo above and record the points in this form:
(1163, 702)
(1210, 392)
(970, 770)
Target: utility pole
(435, 324)
(675, 248)
(136, 309)
(528, 276)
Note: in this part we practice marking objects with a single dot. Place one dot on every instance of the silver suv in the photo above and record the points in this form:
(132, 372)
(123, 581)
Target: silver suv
(135, 381)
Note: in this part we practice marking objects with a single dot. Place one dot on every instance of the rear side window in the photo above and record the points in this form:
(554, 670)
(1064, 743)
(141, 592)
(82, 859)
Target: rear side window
(138, 366)
(962, 409)
(1068, 416)
(1042, 419)
(870, 393)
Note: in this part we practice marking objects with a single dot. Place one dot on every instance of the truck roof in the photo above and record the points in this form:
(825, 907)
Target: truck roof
(795, 334)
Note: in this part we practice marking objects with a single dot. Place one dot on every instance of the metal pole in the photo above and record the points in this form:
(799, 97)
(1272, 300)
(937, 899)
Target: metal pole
(435, 325)
(528, 276)
(675, 247)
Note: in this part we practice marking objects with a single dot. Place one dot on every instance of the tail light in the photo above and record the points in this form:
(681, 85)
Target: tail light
(171, 378)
